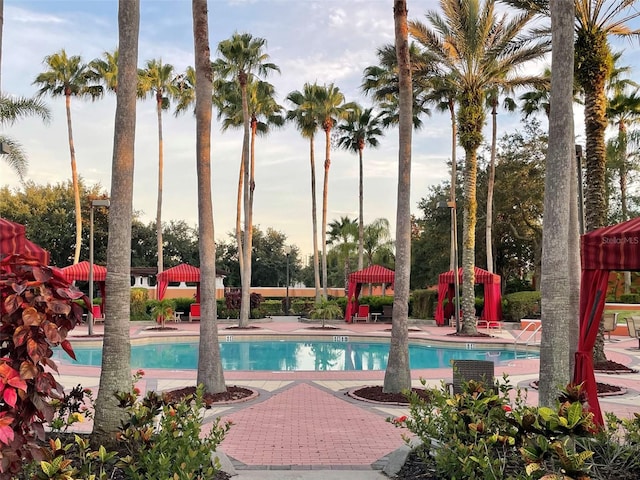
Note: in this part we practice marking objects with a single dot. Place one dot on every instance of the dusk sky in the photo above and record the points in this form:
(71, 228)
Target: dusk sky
(324, 41)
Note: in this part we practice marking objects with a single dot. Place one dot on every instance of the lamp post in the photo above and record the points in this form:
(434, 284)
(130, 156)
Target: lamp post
(94, 203)
(454, 235)
(287, 252)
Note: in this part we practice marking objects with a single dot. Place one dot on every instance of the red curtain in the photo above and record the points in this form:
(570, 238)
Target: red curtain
(371, 274)
(179, 273)
(444, 292)
(593, 291)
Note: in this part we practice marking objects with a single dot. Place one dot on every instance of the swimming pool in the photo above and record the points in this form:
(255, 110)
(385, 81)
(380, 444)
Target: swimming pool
(284, 355)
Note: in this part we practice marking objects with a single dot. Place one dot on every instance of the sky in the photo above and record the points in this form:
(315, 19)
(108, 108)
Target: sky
(324, 41)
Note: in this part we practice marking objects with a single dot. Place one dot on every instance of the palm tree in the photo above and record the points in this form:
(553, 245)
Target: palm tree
(342, 234)
(488, 49)
(397, 376)
(158, 81)
(69, 77)
(378, 243)
(331, 109)
(305, 116)
(186, 83)
(242, 59)
(106, 69)
(381, 83)
(359, 129)
(595, 21)
(11, 110)
(264, 113)
(559, 258)
(210, 372)
(115, 375)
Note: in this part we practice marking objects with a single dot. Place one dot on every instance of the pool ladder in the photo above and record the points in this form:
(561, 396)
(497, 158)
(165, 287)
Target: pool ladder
(531, 339)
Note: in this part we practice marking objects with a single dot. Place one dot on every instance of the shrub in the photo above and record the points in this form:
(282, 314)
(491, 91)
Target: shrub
(630, 298)
(164, 438)
(233, 300)
(519, 305)
(183, 304)
(37, 313)
(302, 307)
(424, 303)
(480, 434)
(139, 299)
(273, 307)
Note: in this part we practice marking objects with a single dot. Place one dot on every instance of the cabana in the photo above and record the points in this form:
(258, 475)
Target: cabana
(610, 248)
(13, 240)
(80, 271)
(371, 274)
(180, 273)
(492, 311)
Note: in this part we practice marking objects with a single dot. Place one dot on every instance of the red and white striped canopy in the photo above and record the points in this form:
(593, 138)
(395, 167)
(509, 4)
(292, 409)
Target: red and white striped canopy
(180, 273)
(612, 248)
(13, 240)
(373, 274)
(80, 271)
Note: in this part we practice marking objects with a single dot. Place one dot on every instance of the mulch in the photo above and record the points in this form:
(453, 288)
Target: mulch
(233, 394)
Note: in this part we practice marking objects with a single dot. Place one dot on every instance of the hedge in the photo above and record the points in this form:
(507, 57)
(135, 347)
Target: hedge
(519, 305)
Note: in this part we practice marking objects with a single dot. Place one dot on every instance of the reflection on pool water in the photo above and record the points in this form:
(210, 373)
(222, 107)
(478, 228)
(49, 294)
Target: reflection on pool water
(293, 355)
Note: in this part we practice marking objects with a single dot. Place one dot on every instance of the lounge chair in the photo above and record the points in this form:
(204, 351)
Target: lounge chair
(387, 313)
(609, 322)
(194, 312)
(98, 316)
(362, 315)
(633, 325)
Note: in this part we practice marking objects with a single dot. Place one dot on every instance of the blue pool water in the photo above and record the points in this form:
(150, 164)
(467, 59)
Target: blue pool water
(293, 355)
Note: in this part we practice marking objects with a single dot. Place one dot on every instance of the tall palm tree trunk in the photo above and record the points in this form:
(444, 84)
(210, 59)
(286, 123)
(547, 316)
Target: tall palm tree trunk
(360, 214)
(160, 184)
(490, 184)
(239, 218)
(397, 376)
(314, 219)
(555, 282)
(468, 243)
(210, 373)
(595, 201)
(595, 126)
(245, 301)
(74, 181)
(115, 375)
(325, 197)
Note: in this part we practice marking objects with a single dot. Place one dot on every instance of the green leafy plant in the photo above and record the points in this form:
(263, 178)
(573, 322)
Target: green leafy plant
(73, 407)
(37, 311)
(163, 438)
(326, 310)
(163, 309)
(486, 433)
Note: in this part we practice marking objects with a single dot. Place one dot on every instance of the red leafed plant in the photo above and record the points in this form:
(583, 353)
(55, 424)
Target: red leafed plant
(36, 313)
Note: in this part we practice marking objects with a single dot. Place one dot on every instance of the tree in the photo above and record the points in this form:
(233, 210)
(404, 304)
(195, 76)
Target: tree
(210, 372)
(12, 109)
(265, 112)
(557, 267)
(397, 376)
(342, 234)
(381, 83)
(488, 49)
(158, 81)
(305, 116)
(243, 59)
(378, 243)
(115, 375)
(331, 108)
(69, 77)
(360, 128)
(106, 70)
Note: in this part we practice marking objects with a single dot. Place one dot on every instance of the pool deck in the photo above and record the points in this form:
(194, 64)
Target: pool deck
(303, 425)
